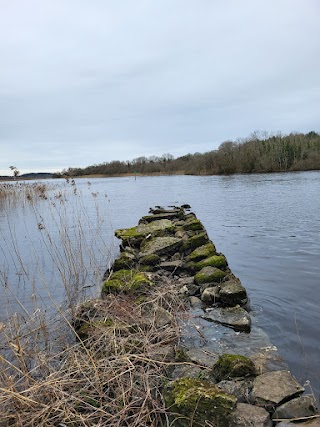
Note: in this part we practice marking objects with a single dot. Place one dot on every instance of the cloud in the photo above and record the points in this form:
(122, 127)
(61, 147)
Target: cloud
(86, 82)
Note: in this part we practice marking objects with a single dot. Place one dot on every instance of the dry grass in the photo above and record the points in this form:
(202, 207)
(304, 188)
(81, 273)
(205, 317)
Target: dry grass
(113, 376)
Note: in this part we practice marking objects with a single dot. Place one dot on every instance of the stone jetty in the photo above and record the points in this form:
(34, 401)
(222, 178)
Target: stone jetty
(221, 369)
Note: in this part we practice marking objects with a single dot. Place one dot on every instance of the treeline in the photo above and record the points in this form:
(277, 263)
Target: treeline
(258, 153)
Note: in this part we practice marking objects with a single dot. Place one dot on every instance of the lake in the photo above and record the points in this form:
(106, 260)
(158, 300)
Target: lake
(268, 227)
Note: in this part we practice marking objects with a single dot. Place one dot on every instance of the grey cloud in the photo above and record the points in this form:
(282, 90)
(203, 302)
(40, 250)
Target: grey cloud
(96, 81)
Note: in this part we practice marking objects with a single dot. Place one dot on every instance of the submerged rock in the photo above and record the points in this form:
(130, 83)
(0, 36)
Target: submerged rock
(233, 317)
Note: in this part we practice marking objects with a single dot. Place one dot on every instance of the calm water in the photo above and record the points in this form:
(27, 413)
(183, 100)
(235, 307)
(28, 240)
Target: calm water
(268, 226)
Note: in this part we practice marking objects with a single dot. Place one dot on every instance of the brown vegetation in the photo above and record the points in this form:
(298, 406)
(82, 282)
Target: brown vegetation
(257, 154)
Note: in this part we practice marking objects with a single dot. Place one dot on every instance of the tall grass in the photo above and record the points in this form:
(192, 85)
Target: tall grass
(55, 249)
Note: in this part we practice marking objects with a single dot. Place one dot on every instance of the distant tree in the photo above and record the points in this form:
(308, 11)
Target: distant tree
(14, 170)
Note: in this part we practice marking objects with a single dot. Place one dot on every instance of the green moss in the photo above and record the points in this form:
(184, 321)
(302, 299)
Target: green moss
(202, 252)
(193, 225)
(194, 242)
(199, 400)
(233, 366)
(135, 235)
(208, 275)
(218, 261)
(125, 281)
(151, 259)
(125, 261)
(130, 235)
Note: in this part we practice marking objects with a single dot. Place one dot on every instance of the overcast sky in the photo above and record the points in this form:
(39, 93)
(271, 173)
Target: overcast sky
(84, 82)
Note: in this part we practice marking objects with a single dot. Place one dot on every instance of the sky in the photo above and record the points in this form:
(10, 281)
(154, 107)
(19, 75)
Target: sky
(86, 82)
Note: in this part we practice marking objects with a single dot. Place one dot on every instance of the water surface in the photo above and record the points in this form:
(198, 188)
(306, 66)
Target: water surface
(268, 227)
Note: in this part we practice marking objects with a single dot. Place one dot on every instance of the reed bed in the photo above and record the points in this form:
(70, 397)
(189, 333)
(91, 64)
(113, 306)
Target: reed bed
(70, 361)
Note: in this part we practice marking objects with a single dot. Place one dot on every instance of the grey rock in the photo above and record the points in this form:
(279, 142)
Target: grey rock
(239, 389)
(233, 317)
(195, 302)
(200, 357)
(271, 388)
(303, 406)
(268, 359)
(171, 265)
(169, 214)
(232, 293)
(311, 423)
(187, 371)
(246, 415)
(211, 295)
(160, 246)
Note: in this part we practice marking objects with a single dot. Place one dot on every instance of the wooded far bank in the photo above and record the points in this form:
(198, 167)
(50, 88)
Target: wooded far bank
(257, 154)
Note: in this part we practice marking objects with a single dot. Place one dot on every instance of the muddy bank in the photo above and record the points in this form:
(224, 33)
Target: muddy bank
(220, 369)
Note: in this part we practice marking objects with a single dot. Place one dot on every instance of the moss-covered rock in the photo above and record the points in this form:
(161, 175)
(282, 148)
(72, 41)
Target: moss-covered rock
(160, 246)
(218, 261)
(198, 400)
(232, 293)
(151, 259)
(202, 252)
(233, 366)
(209, 275)
(125, 261)
(126, 281)
(192, 225)
(135, 235)
(195, 241)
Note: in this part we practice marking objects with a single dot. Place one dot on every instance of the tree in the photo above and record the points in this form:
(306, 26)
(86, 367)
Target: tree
(14, 170)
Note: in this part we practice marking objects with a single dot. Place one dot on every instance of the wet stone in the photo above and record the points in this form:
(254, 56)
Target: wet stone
(233, 293)
(234, 317)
